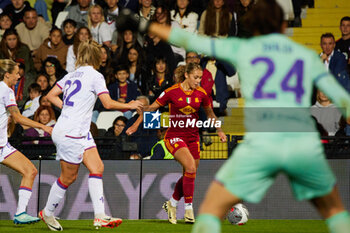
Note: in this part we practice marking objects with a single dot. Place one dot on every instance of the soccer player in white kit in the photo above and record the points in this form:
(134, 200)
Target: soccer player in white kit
(71, 135)
(9, 156)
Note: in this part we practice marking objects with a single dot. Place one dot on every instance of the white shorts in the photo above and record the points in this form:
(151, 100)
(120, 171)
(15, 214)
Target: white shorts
(71, 149)
(6, 151)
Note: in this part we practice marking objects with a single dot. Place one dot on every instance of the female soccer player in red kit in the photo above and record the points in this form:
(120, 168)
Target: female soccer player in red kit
(182, 137)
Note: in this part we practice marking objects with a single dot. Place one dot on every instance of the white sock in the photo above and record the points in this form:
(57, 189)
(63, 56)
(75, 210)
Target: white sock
(173, 202)
(188, 206)
(24, 194)
(57, 192)
(96, 193)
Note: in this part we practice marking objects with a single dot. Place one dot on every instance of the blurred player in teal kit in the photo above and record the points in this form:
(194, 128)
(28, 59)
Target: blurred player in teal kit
(275, 72)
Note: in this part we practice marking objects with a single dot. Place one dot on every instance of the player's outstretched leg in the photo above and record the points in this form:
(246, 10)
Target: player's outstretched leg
(332, 209)
(171, 211)
(95, 165)
(217, 202)
(50, 221)
(18, 162)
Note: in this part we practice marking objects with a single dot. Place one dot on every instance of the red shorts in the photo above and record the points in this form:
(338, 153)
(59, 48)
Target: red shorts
(175, 143)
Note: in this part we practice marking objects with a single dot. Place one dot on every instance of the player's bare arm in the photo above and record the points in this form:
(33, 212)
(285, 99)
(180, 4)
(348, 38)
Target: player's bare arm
(17, 116)
(153, 107)
(53, 96)
(108, 103)
(211, 115)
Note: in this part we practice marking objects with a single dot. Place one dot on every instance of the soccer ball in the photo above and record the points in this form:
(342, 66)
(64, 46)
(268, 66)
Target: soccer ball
(238, 215)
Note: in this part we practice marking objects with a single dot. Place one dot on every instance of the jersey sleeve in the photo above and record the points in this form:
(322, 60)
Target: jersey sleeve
(99, 85)
(330, 86)
(163, 98)
(61, 82)
(206, 100)
(10, 99)
(222, 48)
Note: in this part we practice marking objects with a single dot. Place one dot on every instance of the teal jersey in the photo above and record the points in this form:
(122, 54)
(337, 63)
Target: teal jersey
(276, 74)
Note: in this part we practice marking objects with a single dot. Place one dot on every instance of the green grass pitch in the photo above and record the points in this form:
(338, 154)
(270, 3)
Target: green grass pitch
(162, 226)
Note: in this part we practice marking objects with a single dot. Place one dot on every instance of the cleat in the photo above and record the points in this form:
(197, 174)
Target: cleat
(189, 216)
(51, 222)
(24, 218)
(171, 211)
(107, 221)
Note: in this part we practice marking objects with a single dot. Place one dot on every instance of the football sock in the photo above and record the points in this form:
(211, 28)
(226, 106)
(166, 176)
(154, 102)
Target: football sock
(178, 191)
(56, 194)
(188, 206)
(206, 223)
(24, 194)
(173, 202)
(339, 223)
(188, 186)
(96, 193)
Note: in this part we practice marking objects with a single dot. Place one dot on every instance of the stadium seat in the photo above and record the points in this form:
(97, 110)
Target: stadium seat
(105, 119)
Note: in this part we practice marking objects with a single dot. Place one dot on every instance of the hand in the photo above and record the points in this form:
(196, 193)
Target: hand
(132, 129)
(127, 20)
(135, 104)
(324, 57)
(222, 136)
(47, 129)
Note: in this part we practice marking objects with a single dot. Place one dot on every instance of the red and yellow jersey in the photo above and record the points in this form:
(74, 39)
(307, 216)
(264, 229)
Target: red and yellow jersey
(183, 110)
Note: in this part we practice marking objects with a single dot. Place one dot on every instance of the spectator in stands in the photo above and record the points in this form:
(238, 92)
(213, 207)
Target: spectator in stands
(100, 30)
(161, 78)
(123, 90)
(44, 82)
(155, 47)
(118, 126)
(83, 34)
(185, 17)
(19, 86)
(5, 23)
(46, 116)
(343, 44)
(219, 70)
(237, 27)
(162, 16)
(69, 27)
(133, 5)
(146, 10)
(4, 3)
(159, 150)
(43, 101)
(111, 13)
(139, 73)
(217, 10)
(126, 39)
(334, 60)
(106, 68)
(33, 103)
(32, 31)
(52, 68)
(16, 11)
(297, 5)
(79, 13)
(326, 114)
(52, 47)
(11, 47)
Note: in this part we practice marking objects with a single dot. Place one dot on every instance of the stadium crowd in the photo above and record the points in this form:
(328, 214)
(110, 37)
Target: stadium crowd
(43, 37)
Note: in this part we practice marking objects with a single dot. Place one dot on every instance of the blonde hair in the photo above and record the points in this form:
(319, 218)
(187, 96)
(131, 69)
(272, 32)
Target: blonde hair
(179, 74)
(190, 67)
(89, 53)
(89, 17)
(6, 66)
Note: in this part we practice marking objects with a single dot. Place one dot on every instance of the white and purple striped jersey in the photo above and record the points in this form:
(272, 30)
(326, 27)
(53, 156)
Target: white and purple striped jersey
(7, 99)
(80, 91)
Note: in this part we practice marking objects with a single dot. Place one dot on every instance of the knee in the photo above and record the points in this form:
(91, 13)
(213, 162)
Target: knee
(191, 168)
(30, 173)
(68, 180)
(98, 169)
